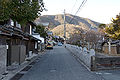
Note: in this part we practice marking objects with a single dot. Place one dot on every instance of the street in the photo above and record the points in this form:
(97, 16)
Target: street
(59, 64)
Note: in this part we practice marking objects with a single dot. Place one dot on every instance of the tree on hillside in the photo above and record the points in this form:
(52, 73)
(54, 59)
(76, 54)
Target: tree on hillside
(101, 30)
(93, 38)
(41, 30)
(113, 30)
(21, 11)
(77, 36)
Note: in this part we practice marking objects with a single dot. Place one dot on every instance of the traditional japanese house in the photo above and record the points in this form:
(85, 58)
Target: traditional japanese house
(16, 42)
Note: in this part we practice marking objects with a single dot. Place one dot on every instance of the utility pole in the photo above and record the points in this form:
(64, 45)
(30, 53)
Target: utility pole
(64, 29)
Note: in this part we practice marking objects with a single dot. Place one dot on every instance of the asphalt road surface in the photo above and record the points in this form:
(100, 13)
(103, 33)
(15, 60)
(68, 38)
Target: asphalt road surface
(59, 64)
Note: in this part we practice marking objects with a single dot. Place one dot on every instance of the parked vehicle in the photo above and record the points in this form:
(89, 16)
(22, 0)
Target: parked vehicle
(54, 43)
(49, 46)
(59, 44)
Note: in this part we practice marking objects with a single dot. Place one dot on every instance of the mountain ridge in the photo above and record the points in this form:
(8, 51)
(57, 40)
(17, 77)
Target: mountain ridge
(59, 19)
(56, 23)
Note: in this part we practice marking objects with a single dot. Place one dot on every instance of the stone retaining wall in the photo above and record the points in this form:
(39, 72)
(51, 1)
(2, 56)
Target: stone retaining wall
(82, 53)
(94, 62)
(104, 63)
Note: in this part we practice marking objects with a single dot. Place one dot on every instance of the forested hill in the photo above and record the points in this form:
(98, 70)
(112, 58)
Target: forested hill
(56, 20)
(56, 23)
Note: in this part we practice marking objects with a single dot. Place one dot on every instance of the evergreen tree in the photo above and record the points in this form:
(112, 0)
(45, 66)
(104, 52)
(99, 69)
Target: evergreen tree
(41, 30)
(102, 26)
(25, 10)
(4, 10)
(113, 30)
(21, 11)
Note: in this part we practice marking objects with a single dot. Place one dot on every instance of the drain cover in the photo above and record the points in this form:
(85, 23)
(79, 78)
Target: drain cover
(32, 63)
(27, 68)
(17, 76)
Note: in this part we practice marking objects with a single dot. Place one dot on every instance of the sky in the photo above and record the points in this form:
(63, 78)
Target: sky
(98, 10)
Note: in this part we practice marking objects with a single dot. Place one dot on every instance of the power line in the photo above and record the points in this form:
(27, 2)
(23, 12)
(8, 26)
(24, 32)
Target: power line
(84, 1)
(73, 6)
(82, 4)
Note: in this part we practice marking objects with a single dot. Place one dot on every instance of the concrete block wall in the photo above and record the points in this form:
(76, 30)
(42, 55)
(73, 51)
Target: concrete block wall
(3, 56)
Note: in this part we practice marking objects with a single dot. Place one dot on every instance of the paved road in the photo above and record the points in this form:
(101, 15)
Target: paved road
(59, 64)
(109, 74)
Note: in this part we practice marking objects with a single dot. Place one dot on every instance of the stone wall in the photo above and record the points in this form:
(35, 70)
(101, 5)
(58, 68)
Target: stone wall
(82, 53)
(103, 63)
(94, 62)
(3, 53)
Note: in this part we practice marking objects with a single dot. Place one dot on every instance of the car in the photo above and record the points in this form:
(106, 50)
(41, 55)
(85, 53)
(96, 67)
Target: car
(54, 43)
(59, 44)
(49, 46)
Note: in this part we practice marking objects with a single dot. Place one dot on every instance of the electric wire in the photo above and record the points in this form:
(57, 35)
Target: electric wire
(82, 4)
(73, 6)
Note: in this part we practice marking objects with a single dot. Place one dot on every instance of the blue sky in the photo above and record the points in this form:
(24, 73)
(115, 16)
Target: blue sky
(98, 10)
